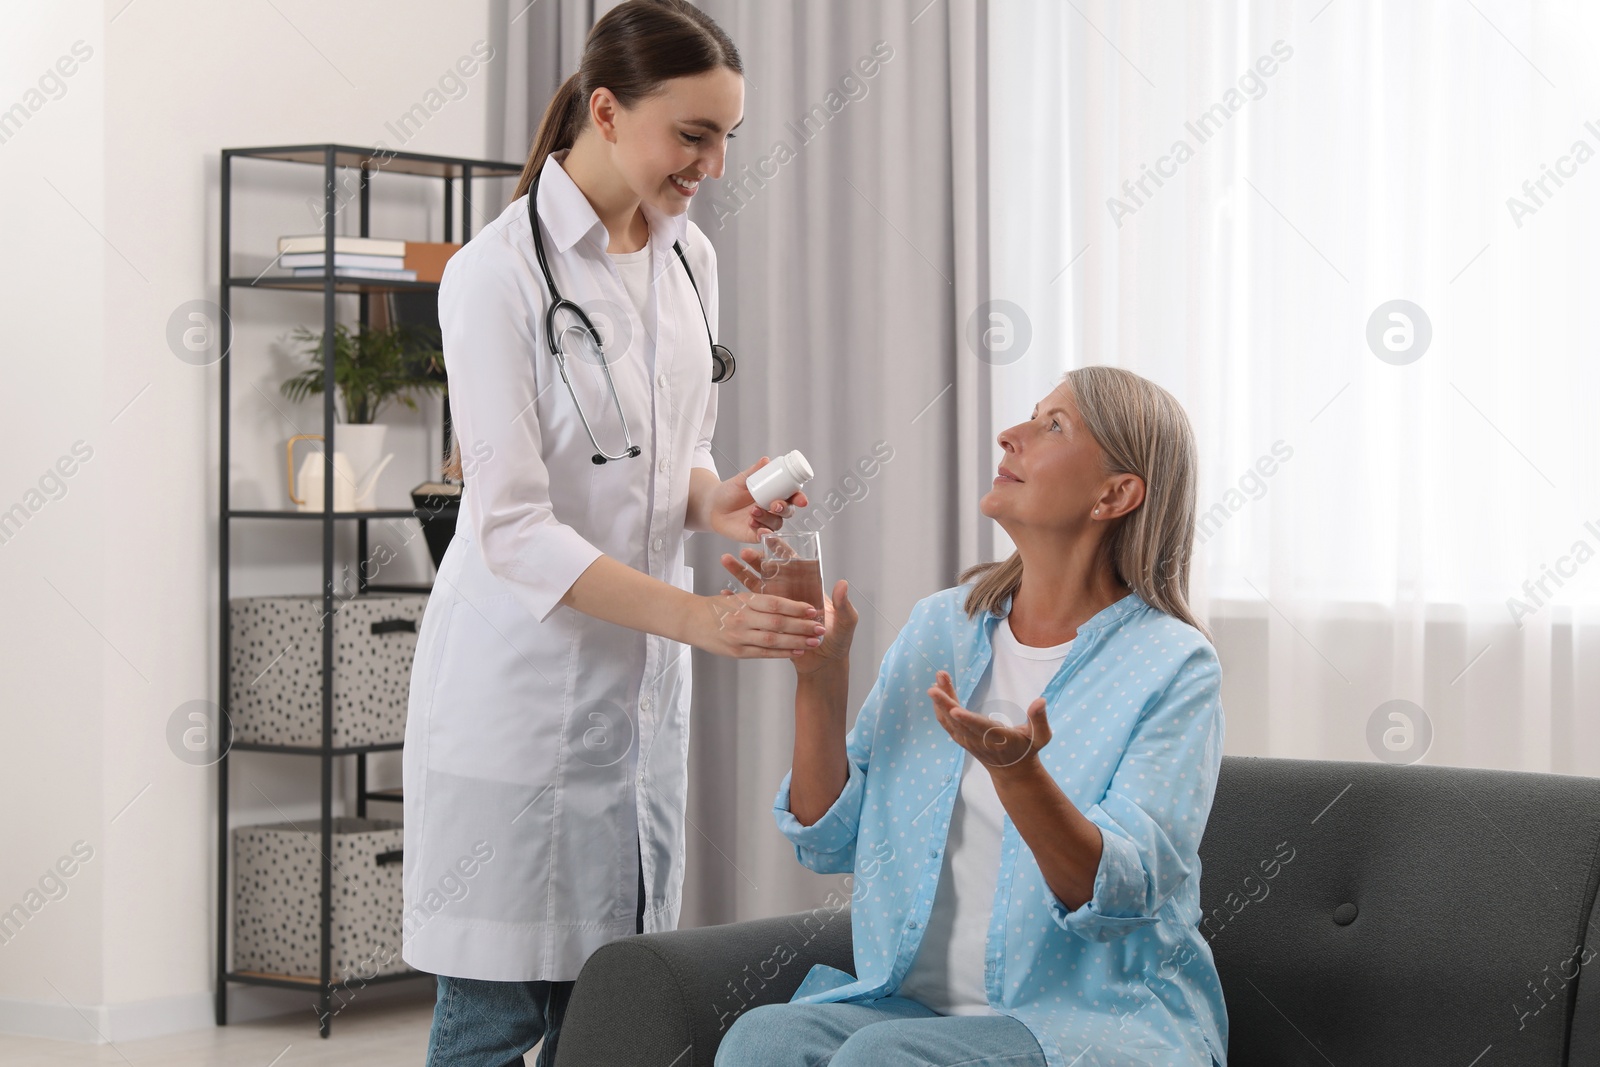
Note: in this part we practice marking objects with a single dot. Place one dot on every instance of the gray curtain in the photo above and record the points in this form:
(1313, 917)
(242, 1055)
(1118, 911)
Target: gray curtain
(536, 45)
(849, 201)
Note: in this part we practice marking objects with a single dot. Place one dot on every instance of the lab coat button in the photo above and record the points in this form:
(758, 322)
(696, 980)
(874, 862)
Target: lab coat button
(644, 703)
(661, 379)
(657, 544)
(662, 466)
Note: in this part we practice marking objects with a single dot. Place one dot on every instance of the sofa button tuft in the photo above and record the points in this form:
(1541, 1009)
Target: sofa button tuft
(1344, 914)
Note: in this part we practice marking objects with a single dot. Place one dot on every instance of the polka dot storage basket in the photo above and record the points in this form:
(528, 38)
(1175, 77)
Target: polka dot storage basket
(276, 655)
(277, 893)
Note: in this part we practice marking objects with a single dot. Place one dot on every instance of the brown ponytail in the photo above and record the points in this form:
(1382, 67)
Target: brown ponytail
(632, 50)
(563, 118)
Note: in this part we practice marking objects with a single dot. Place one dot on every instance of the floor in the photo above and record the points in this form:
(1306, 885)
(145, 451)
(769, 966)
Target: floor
(393, 1033)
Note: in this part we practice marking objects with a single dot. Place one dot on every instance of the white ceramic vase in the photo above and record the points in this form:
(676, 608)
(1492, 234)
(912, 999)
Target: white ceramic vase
(362, 444)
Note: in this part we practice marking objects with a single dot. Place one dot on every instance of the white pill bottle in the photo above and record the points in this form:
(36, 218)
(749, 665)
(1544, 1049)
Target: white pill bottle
(779, 479)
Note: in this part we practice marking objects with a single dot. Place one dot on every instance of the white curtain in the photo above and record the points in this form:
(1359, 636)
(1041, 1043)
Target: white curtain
(1244, 187)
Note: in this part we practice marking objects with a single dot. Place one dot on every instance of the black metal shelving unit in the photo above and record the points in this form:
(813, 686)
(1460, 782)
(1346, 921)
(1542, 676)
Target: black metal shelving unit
(332, 158)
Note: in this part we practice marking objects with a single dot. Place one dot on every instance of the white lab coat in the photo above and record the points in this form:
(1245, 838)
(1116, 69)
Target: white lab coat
(545, 749)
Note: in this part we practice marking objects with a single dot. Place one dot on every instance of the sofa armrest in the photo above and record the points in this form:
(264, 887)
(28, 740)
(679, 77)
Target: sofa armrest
(666, 1000)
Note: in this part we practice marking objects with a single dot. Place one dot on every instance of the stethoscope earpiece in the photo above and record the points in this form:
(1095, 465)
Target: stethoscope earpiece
(722, 361)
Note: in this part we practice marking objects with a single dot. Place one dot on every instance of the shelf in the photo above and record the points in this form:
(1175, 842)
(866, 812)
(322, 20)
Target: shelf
(314, 750)
(340, 284)
(295, 981)
(348, 190)
(421, 514)
(382, 163)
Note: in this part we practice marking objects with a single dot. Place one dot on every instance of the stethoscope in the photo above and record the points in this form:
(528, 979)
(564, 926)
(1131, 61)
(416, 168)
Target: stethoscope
(722, 362)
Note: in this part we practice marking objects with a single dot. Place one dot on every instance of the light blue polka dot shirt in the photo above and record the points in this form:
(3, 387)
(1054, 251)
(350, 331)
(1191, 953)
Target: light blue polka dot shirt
(1136, 715)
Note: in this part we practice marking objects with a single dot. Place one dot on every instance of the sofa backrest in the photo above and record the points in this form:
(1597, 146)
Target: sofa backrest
(1365, 914)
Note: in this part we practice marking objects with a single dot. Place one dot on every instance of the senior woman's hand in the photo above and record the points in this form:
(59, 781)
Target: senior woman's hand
(1065, 844)
(839, 616)
(997, 745)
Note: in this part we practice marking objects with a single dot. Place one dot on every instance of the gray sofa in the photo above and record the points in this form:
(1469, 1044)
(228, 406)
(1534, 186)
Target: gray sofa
(1360, 914)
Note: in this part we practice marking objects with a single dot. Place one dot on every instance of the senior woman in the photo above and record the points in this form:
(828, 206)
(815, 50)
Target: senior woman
(1025, 882)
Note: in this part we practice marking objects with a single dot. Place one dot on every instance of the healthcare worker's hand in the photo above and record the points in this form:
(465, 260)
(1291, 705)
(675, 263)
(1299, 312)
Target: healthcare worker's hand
(839, 615)
(738, 516)
(748, 625)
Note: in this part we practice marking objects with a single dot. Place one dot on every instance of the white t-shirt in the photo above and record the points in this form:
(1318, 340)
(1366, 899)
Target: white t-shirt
(947, 974)
(635, 270)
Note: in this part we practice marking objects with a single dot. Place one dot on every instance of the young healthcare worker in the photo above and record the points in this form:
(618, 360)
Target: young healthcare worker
(546, 749)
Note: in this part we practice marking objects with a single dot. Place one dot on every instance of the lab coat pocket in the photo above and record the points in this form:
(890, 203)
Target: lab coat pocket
(507, 829)
(499, 695)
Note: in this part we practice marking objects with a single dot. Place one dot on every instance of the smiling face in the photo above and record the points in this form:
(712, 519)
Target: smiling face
(669, 141)
(1054, 473)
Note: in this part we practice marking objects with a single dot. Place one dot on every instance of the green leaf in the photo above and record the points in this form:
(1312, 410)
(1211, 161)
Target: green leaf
(370, 368)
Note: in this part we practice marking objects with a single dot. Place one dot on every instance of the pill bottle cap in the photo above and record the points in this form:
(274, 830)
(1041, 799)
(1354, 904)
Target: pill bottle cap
(798, 467)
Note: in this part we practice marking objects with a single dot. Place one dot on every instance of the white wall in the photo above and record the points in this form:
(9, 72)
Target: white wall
(56, 667)
(110, 223)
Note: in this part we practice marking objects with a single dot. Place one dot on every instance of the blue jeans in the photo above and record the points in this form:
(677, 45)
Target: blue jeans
(877, 1033)
(491, 1024)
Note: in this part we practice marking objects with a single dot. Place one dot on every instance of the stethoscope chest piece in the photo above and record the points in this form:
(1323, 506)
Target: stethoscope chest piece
(722, 364)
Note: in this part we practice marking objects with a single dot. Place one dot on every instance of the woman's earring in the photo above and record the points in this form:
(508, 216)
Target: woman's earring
(1097, 511)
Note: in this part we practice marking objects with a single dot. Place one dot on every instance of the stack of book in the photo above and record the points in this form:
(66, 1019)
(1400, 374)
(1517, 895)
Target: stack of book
(372, 258)
(380, 259)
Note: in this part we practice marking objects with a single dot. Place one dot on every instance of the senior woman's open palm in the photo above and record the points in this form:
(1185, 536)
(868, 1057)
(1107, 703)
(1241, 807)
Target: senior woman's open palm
(994, 743)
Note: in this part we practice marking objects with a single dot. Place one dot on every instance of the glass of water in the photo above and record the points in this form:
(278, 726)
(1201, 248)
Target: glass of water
(791, 565)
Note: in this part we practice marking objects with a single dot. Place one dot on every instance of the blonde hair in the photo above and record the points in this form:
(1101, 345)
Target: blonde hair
(1142, 429)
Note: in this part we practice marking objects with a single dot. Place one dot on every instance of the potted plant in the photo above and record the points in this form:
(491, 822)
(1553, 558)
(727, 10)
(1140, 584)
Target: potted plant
(371, 368)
